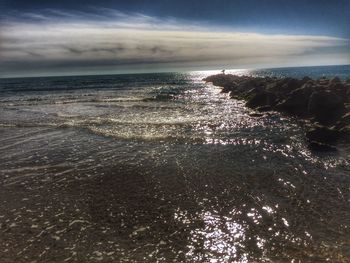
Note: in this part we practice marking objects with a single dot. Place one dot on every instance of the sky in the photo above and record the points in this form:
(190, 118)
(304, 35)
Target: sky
(42, 38)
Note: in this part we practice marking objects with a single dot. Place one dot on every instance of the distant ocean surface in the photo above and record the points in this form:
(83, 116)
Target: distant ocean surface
(342, 71)
(166, 167)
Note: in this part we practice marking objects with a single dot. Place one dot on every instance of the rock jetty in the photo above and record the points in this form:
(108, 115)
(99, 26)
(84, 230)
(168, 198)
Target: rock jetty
(323, 105)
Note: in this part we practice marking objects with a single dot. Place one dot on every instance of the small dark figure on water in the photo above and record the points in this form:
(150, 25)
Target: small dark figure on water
(223, 71)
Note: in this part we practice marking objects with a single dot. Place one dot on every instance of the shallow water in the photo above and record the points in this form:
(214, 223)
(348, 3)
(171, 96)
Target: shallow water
(137, 168)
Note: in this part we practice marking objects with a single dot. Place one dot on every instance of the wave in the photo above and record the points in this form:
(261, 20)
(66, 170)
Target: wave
(84, 124)
(27, 125)
(149, 137)
(22, 101)
(73, 121)
(42, 101)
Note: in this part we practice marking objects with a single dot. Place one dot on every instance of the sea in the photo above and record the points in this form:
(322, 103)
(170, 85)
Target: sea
(164, 168)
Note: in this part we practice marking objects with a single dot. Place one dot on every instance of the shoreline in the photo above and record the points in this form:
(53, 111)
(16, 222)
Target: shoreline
(323, 105)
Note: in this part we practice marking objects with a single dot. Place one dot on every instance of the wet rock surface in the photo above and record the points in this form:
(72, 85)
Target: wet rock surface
(326, 107)
(323, 105)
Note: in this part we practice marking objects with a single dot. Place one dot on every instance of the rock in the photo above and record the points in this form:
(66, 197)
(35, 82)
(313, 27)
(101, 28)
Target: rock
(246, 93)
(229, 87)
(251, 92)
(264, 108)
(256, 114)
(341, 90)
(321, 147)
(247, 85)
(297, 101)
(323, 102)
(344, 121)
(323, 134)
(325, 106)
(262, 99)
(335, 80)
(285, 86)
(233, 95)
(345, 131)
(346, 92)
(306, 79)
(222, 80)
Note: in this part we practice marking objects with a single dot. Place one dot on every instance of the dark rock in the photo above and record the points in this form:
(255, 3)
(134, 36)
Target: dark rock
(284, 86)
(346, 92)
(335, 80)
(341, 90)
(256, 114)
(323, 134)
(233, 95)
(297, 101)
(306, 79)
(222, 80)
(229, 87)
(323, 102)
(257, 84)
(321, 147)
(264, 108)
(250, 93)
(261, 99)
(344, 121)
(345, 131)
(325, 106)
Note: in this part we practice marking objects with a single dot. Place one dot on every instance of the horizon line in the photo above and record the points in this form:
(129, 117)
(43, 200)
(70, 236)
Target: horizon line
(165, 72)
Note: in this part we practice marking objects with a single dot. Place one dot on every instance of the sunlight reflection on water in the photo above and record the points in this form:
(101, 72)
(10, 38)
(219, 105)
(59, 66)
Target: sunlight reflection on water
(221, 237)
(172, 166)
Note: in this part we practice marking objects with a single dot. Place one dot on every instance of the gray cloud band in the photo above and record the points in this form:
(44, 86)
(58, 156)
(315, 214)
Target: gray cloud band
(82, 41)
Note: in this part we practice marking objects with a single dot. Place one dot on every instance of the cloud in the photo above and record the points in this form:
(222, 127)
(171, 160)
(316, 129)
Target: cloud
(109, 39)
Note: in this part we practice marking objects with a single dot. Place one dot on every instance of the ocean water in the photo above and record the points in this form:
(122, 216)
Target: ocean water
(164, 167)
(342, 71)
